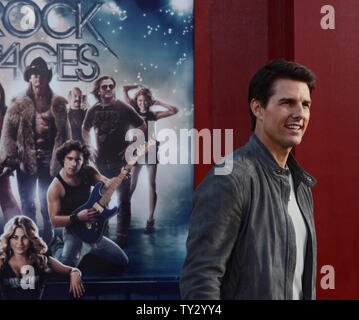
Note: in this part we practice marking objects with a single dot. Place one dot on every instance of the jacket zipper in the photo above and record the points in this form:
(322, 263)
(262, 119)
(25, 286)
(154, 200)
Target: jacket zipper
(286, 255)
(309, 239)
(287, 248)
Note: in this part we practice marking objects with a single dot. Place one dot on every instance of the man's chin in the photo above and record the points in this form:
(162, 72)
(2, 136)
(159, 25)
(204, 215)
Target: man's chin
(293, 142)
(40, 85)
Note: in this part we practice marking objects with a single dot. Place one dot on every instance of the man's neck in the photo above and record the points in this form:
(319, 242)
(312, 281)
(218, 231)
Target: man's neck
(107, 102)
(280, 156)
(39, 92)
(279, 153)
(72, 180)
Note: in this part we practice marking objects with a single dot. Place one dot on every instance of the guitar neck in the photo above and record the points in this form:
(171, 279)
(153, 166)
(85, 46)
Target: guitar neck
(118, 180)
(114, 185)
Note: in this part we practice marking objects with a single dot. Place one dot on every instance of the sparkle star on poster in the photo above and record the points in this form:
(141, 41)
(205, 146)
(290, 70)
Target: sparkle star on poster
(136, 42)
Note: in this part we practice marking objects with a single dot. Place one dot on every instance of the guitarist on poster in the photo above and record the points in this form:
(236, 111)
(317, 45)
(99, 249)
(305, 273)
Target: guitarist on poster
(70, 189)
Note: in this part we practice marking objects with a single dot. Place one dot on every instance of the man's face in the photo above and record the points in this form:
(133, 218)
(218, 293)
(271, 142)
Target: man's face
(75, 99)
(73, 162)
(39, 81)
(285, 118)
(107, 91)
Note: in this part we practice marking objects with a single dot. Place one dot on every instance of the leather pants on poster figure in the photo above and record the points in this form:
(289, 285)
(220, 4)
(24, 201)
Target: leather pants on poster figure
(111, 170)
(27, 190)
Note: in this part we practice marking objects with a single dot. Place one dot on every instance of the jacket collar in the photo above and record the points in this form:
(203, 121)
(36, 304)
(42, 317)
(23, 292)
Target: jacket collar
(268, 161)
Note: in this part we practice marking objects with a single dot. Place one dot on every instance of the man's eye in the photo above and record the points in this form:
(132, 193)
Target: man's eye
(285, 101)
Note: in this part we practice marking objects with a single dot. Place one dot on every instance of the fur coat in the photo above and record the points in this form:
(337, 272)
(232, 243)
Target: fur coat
(17, 143)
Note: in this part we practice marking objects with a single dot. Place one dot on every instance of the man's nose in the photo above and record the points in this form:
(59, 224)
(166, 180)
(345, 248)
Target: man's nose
(299, 110)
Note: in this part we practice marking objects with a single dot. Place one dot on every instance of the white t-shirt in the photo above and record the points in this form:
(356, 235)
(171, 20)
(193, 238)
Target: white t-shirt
(300, 240)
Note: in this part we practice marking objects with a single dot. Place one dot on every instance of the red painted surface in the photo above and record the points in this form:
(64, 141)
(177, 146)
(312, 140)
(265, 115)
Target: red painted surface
(230, 44)
(233, 39)
(329, 150)
(202, 74)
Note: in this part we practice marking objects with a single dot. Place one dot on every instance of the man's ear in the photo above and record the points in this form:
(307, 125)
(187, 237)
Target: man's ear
(257, 108)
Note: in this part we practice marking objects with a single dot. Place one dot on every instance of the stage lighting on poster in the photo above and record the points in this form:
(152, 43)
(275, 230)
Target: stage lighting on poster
(182, 5)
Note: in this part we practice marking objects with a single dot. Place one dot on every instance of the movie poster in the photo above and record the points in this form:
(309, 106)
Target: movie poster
(138, 43)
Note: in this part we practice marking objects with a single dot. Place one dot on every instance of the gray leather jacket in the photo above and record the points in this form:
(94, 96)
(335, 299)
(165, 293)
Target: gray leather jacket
(241, 242)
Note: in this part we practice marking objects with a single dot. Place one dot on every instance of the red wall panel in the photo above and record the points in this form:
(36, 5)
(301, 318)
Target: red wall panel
(329, 150)
(202, 74)
(231, 40)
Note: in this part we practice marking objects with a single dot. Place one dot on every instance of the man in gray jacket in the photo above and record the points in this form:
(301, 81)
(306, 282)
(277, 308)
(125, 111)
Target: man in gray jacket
(251, 234)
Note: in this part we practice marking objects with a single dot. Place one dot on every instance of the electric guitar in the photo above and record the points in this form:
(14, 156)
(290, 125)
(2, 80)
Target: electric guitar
(92, 232)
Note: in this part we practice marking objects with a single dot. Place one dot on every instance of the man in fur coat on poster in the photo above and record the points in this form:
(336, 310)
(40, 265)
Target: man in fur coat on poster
(35, 125)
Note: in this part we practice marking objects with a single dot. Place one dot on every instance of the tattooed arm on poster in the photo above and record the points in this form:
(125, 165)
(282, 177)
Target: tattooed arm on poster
(87, 141)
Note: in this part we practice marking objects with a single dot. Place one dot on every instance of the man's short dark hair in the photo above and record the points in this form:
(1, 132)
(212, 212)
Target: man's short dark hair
(71, 145)
(97, 84)
(261, 84)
